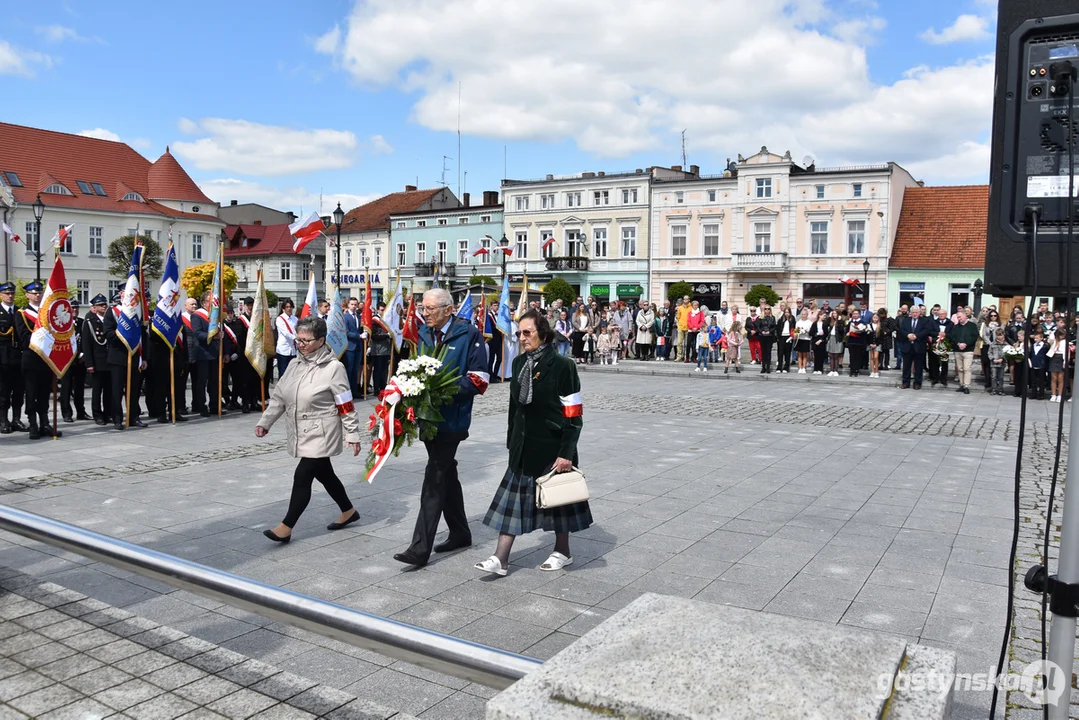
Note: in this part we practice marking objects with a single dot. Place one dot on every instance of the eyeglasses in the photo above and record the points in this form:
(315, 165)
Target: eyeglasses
(305, 341)
(432, 308)
(525, 333)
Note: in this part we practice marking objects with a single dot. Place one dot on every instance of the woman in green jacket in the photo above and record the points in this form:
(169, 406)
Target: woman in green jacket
(544, 426)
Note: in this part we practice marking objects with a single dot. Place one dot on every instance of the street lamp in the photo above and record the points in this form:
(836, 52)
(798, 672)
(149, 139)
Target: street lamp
(503, 244)
(338, 218)
(39, 211)
(978, 285)
(865, 280)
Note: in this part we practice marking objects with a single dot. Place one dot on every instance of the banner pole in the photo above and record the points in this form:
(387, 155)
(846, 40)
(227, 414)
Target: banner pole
(172, 382)
(54, 407)
(127, 397)
(220, 366)
(363, 377)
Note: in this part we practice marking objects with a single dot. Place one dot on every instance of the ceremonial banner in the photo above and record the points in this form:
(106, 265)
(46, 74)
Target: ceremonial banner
(217, 293)
(51, 338)
(260, 344)
(410, 330)
(310, 303)
(465, 311)
(336, 332)
(167, 320)
(522, 304)
(391, 319)
(367, 319)
(129, 319)
(504, 320)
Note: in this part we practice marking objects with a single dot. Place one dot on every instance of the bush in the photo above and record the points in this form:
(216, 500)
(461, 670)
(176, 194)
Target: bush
(559, 289)
(271, 298)
(679, 290)
(755, 293)
(197, 279)
(483, 280)
(120, 251)
(20, 294)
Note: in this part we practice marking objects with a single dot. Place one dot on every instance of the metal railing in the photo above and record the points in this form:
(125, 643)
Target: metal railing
(442, 653)
(758, 261)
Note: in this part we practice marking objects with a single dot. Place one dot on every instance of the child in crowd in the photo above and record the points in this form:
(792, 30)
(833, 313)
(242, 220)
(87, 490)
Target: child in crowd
(1019, 369)
(734, 347)
(614, 342)
(996, 362)
(704, 349)
(603, 347)
(1037, 362)
(715, 336)
(1058, 359)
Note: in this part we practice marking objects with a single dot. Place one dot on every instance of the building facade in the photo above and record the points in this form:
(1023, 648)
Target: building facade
(767, 220)
(105, 190)
(599, 224)
(286, 274)
(237, 213)
(444, 238)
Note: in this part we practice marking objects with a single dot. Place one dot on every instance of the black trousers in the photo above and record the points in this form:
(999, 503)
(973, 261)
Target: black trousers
(1038, 383)
(913, 362)
(307, 471)
(820, 354)
(159, 396)
(205, 381)
(73, 390)
(37, 384)
(11, 390)
(885, 354)
(101, 393)
(938, 371)
(119, 388)
(857, 357)
(440, 496)
(494, 356)
(783, 352)
(766, 353)
(380, 370)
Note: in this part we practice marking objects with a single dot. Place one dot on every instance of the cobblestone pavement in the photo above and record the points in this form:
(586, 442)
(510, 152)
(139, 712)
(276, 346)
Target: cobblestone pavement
(869, 506)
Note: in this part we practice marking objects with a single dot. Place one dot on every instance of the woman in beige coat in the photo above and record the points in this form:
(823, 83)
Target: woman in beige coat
(316, 402)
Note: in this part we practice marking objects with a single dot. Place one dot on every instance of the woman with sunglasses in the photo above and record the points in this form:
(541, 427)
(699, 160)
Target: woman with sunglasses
(316, 402)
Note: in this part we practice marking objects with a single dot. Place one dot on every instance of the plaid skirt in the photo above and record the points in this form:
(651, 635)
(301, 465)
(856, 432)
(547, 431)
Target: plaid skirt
(513, 510)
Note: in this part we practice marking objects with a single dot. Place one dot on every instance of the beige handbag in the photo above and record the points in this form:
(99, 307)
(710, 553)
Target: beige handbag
(556, 489)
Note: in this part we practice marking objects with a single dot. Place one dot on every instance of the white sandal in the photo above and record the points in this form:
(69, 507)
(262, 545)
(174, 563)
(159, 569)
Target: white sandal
(556, 561)
(491, 565)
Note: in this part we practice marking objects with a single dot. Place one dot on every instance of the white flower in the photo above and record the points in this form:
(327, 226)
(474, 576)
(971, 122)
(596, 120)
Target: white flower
(431, 371)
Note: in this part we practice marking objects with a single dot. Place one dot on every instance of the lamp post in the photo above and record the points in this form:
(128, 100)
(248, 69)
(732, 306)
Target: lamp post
(39, 212)
(978, 290)
(503, 244)
(338, 218)
(865, 281)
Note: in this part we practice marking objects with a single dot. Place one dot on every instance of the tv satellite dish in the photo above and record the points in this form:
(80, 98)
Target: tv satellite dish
(807, 161)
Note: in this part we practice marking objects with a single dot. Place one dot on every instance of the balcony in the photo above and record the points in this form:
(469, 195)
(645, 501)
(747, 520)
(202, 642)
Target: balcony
(428, 270)
(424, 269)
(568, 263)
(759, 262)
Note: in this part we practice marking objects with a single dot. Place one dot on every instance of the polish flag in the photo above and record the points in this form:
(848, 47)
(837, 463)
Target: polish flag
(12, 233)
(506, 249)
(310, 303)
(61, 236)
(572, 405)
(478, 248)
(846, 280)
(305, 231)
(548, 243)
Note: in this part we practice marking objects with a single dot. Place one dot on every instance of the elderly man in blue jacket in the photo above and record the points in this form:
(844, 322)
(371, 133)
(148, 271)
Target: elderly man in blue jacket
(441, 494)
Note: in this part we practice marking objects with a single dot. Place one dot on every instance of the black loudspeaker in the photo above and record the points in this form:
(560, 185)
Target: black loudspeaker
(1037, 56)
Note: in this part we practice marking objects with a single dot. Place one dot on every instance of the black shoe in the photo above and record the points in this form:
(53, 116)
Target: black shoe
(81, 416)
(966, 391)
(35, 434)
(48, 431)
(958, 389)
(917, 386)
(726, 370)
(204, 413)
(245, 409)
(270, 534)
(118, 426)
(409, 558)
(337, 526)
(100, 421)
(68, 419)
(164, 419)
(181, 418)
(451, 545)
(19, 426)
(5, 428)
(138, 423)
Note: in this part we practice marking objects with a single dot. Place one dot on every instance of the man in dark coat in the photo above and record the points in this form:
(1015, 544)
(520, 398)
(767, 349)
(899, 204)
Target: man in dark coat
(11, 387)
(918, 333)
(37, 376)
(118, 356)
(95, 354)
(206, 360)
(73, 384)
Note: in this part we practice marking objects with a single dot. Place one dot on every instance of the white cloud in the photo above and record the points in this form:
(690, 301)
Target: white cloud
(744, 75)
(969, 163)
(965, 28)
(225, 190)
(248, 148)
(60, 33)
(103, 134)
(378, 145)
(16, 61)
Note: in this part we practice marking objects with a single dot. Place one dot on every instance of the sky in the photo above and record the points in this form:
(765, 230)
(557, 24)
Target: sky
(296, 104)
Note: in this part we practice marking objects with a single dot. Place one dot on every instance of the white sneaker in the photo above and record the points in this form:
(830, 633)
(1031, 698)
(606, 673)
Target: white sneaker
(706, 369)
(696, 369)
(816, 372)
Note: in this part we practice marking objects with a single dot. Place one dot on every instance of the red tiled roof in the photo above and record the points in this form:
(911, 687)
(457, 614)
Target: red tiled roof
(942, 228)
(375, 215)
(263, 240)
(41, 157)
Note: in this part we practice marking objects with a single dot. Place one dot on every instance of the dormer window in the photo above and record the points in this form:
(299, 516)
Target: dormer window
(57, 189)
(12, 178)
(98, 190)
(133, 196)
(84, 187)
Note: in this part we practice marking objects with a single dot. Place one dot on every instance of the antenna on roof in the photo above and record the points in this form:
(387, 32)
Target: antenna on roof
(320, 202)
(683, 148)
(458, 138)
(443, 181)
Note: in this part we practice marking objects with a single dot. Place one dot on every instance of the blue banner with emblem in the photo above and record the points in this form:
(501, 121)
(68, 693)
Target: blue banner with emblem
(129, 317)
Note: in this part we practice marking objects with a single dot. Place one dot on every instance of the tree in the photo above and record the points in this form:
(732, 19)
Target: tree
(120, 251)
(753, 297)
(559, 289)
(679, 290)
(20, 294)
(271, 298)
(483, 280)
(197, 279)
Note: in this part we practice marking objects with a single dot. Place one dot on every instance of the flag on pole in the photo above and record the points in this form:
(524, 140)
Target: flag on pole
(367, 320)
(14, 235)
(260, 345)
(479, 249)
(167, 320)
(436, 283)
(846, 280)
(504, 321)
(129, 317)
(310, 303)
(548, 243)
(507, 249)
(522, 305)
(51, 337)
(216, 294)
(465, 310)
(336, 332)
(61, 236)
(391, 319)
(410, 330)
(306, 230)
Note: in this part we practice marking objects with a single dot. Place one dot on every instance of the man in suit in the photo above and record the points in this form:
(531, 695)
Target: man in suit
(205, 359)
(900, 339)
(942, 325)
(354, 353)
(917, 332)
(494, 343)
(165, 378)
(118, 355)
(323, 309)
(95, 354)
(37, 376)
(441, 494)
(73, 384)
(11, 389)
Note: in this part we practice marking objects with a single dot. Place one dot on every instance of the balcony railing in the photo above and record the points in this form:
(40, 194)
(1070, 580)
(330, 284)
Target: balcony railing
(567, 263)
(428, 270)
(759, 261)
(448, 270)
(425, 269)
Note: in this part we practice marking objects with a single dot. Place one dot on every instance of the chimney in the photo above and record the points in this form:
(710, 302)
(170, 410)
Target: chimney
(694, 170)
(465, 200)
(410, 188)
(676, 168)
(550, 176)
(588, 175)
(232, 203)
(600, 174)
(257, 222)
(490, 197)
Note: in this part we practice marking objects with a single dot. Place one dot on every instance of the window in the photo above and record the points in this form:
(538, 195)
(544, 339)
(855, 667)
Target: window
(599, 242)
(462, 252)
(857, 189)
(421, 223)
(442, 221)
(764, 187)
(547, 201)
(818, 238)
(57, 189)
(678, 240)
(196, 246)
(711, 196)
(363, 257)
(84, 187)
(243, 271)
(573, 199)
(711, 239)
(820, 192)
(98, 190)
(910, 290)
(13, 179)
(601, 197)
(348, 258)
(441, 252)
(521, 202)
(547, 251)
(629, 242)
(522, 245)
(462, 221)
(762, 233)
(485, 243)
(83, 293)
(378, 256)
(134, 197)
(401, 224)
(679, 197)
(115, 286)
(629, 196)
(575, 241)
(856, 237)
(132, 232)
(421, 253)
(67, 246)
(402, 254)
(485, 218)
(96, 234)
(286, 270)
(305, 271)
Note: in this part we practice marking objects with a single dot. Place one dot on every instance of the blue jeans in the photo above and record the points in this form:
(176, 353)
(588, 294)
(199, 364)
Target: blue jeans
(563, 348)
(702, 358)
(282, 364)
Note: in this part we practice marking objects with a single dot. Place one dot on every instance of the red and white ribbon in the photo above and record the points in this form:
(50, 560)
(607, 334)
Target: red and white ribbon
(480, 379)
(572, 405)
(344, 402)
(383, 417)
